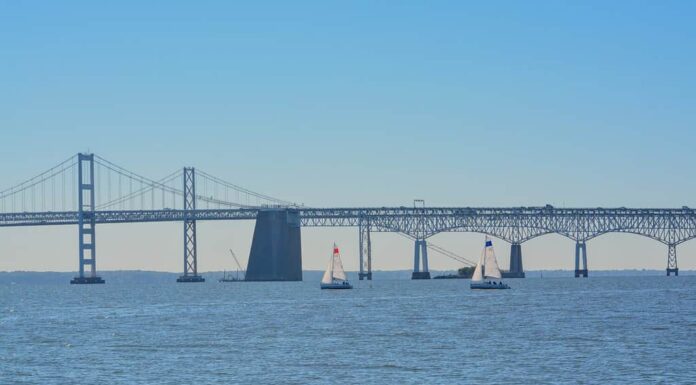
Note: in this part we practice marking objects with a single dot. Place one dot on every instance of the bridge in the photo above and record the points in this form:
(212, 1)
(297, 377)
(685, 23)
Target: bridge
(86, 190)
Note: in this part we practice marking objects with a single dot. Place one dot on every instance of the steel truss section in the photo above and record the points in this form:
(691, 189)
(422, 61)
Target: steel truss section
(515, 225)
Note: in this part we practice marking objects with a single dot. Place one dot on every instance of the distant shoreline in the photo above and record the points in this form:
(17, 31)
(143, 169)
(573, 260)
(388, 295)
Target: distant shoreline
(348, 271)
(157, 277)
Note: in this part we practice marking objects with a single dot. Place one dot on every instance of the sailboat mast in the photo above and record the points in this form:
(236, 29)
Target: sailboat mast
(483, 261)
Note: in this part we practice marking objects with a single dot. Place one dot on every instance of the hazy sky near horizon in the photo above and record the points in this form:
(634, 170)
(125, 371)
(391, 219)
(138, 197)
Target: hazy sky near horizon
(356, 103)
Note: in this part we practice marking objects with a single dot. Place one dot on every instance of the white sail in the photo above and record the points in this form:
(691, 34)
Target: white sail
(478, 271)
(327, 274)
(338, 272)
(478, 275)
(334, 272)
(491, 263)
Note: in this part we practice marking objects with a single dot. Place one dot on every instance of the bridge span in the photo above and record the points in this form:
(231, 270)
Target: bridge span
(87, 190)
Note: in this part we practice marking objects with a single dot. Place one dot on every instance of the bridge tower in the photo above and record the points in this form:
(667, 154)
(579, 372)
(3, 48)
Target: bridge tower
(580, 248)
(672, 260)
(86, 220)
(365, 250)
(190, 256)
(420, 253)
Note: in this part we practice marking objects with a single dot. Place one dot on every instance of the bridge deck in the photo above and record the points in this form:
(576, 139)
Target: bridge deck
(514, 224)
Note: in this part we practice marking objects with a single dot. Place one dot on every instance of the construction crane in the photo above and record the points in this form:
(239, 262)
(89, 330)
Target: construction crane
(226, 278)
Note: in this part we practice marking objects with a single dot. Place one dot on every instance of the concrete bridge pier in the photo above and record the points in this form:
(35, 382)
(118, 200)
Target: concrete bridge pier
(276, 249)
(516, 270)
(420, 250)
(580, 248)
(365, 251)
(672, 260)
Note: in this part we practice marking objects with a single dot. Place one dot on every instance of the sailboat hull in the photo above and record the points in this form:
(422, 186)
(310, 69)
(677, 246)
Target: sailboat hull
(336, 286)
(489, 286)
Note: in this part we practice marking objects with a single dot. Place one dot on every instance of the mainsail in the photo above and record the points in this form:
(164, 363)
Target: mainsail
(491, 269)
(335, 270)
(338, 272)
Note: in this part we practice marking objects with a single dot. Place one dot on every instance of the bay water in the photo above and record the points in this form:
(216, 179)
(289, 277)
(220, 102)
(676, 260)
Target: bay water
(609, 330)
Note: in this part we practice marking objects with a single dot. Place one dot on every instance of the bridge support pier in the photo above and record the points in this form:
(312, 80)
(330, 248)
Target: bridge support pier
(420, 252)
(190, 249)
(516, 270)
(276, 249)
(86, 220)
(365, 251)
(580, 248)
(672, 260)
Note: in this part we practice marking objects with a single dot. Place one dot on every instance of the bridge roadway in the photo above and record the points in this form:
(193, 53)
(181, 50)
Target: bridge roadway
(514, 225)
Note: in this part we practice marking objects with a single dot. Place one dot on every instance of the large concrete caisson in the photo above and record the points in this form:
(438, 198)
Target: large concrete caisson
(276, 251)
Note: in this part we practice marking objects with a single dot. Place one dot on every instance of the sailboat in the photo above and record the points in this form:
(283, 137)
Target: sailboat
(335, 276)
(487, 273)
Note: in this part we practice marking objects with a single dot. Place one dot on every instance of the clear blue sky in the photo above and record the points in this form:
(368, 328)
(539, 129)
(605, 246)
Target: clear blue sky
(363, 103)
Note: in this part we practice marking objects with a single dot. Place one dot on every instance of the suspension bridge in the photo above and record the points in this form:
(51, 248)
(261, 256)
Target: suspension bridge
(86, 190)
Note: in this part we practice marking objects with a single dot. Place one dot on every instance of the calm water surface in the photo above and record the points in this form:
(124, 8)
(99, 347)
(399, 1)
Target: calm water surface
(544, 331)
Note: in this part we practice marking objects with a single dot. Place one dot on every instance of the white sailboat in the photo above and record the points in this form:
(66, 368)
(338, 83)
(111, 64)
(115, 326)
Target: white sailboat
(487, 273)
(335, 276)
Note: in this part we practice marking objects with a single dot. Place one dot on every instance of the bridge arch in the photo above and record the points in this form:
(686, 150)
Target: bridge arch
(633, 232)
(503, 233)
(686, 239)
